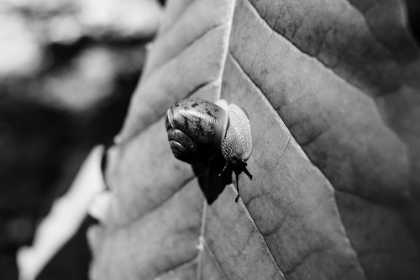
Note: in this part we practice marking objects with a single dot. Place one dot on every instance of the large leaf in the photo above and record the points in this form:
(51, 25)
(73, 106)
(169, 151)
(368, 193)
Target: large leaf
(332, 91)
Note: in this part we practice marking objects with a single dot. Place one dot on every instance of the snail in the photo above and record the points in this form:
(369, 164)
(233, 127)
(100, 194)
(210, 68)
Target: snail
(199, 130)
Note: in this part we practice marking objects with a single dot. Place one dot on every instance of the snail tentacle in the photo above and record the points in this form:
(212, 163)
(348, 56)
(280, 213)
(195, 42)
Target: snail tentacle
(198, 131)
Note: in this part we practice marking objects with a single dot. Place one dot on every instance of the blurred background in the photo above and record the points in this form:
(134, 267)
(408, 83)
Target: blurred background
(67, 71)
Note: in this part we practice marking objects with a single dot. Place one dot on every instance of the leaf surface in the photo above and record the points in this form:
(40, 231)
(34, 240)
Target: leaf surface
(332, 93)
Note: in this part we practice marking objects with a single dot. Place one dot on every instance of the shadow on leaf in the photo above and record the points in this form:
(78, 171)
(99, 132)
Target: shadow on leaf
(210, 179)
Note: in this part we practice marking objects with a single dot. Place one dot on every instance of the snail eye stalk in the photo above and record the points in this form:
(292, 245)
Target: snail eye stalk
(239, 166)
(199, 131)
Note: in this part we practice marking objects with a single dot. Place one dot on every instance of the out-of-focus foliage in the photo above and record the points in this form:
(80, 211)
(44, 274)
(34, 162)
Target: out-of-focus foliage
(68, 41)
(67, 71)
(413, 11)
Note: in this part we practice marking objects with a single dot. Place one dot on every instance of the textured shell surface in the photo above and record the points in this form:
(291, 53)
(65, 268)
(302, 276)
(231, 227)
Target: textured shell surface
(196, 126)
(238, 140)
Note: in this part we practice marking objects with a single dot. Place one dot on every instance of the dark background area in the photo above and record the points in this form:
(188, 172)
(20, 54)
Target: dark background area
(413, 9)
(70, 96)
(66, 79)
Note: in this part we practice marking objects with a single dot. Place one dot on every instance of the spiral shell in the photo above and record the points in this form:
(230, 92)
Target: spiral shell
(196, 129)
(199, 130)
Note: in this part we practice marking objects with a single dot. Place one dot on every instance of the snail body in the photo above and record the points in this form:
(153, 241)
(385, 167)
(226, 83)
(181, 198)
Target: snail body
(237, 144)
(199, 130)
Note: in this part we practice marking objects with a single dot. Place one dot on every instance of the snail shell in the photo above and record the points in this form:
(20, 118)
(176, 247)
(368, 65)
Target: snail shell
(198, 130)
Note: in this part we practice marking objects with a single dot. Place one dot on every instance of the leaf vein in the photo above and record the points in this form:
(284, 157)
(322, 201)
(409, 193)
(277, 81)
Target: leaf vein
(391, 52)
(160, 204)
(237, 64)
(216, 261)
(255, 11)
(201, 240)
